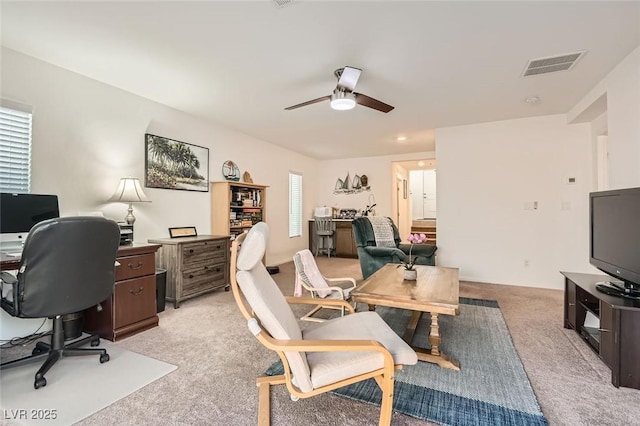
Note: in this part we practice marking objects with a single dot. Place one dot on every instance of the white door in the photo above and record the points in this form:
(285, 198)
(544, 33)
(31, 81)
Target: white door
(429, 195)
(416, 183)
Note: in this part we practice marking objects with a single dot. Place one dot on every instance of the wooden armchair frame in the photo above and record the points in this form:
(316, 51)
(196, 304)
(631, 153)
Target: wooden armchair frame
(384, 376)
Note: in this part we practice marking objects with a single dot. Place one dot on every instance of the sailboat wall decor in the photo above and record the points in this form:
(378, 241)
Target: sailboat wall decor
(348, 185)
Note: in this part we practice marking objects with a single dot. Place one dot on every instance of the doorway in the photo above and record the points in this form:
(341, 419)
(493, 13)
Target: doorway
(414, 204)
(423, 194)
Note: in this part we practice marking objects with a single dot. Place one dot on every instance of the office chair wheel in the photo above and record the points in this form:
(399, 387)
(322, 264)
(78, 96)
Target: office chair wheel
(104, 358)
(40, 383)
(40, 348)
(95, 342)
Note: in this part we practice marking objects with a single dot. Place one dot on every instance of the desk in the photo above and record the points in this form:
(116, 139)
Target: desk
(9, 264)
(343, 238)
(132, 306)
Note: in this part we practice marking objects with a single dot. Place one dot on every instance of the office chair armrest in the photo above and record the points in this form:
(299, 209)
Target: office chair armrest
(327, 302)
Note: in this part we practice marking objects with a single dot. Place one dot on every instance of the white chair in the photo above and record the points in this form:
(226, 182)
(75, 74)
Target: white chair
(324, 234)
(321, 288)
(336, 353)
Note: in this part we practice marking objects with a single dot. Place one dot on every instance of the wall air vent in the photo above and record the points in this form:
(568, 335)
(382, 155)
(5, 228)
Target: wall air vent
(552, 64)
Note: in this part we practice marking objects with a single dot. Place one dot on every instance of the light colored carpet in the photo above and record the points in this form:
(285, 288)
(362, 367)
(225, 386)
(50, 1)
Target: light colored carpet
(491, 387)
(76, 386)
(218, 361)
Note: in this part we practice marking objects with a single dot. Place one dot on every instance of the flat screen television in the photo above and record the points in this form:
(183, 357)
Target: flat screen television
(18, 214)
(615, 239)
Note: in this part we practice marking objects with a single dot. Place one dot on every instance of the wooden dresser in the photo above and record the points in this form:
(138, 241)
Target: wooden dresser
(195, 265)
(132, 306)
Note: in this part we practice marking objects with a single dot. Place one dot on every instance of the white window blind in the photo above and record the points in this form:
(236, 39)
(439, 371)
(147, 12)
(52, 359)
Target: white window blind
(15, 150)
(295, 204)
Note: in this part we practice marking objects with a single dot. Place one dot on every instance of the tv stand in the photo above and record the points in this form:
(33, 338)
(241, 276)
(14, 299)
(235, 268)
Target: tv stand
(616, 335)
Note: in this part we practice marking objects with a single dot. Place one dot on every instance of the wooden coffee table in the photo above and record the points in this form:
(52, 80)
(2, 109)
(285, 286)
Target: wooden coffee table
(435, 291)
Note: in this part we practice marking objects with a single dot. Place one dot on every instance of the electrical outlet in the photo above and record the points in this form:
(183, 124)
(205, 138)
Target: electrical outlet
(526, 263)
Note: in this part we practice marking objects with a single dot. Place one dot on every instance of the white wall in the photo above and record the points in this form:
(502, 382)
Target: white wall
(487, 173)
(622, 90)
(381, 176)
(86, 135)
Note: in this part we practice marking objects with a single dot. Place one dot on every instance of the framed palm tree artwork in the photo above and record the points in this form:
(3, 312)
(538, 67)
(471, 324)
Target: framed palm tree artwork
(172, 164)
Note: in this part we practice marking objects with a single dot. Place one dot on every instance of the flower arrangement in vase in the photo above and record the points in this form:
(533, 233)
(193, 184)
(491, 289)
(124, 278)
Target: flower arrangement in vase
(409, 272)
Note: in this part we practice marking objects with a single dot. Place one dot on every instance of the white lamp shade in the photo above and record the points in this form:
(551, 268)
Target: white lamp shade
(129, 191)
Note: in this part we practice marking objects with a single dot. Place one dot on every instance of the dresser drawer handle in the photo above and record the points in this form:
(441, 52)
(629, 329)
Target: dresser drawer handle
(130, 265)
(190, 276)
(190, 250)
(218, 247)
(136, 293)
(217, 269)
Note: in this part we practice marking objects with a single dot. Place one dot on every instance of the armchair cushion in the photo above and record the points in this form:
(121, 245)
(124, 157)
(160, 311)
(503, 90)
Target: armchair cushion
(267, 301)
(330, 367)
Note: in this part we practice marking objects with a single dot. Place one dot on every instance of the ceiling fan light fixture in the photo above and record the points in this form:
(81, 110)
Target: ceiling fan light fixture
(342, 101)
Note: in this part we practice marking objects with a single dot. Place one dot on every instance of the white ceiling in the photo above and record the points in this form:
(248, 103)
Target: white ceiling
(241, 63)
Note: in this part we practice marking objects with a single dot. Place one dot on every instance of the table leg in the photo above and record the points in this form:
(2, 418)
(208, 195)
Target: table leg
(434, 335)
(434, 355)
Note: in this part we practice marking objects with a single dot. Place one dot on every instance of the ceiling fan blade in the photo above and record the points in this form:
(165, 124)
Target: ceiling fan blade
(372, 103)
(324, 98)
(349, 78)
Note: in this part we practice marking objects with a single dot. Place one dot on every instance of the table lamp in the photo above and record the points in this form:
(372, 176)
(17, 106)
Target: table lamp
(129, 191)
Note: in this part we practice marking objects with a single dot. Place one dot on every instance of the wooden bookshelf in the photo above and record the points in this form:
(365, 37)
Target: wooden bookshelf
(236, 207)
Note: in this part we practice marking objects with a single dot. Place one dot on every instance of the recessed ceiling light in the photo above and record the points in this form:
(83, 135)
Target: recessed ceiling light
(532, 100)
(420, 163)
(401, 138)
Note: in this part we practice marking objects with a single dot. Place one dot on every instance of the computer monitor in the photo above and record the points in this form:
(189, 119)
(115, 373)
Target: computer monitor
(19, 213)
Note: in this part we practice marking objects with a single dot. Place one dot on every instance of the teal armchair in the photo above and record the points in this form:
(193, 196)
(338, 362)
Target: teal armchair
(373, 257)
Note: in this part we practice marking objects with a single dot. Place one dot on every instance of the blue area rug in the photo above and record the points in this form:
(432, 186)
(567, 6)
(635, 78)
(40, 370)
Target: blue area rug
(492, 387)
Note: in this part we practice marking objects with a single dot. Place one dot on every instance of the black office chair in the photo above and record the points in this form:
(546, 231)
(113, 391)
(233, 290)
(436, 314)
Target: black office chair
(67, 266)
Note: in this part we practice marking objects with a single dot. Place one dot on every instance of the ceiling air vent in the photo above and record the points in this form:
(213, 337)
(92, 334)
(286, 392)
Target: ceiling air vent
(552, 64)
(282, 3)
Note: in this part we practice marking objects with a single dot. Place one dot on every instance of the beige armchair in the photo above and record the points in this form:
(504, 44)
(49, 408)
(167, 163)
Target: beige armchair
(321, 288)
(336, 353)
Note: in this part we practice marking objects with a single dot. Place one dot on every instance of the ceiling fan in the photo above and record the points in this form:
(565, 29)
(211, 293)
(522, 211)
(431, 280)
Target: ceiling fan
(343, 96)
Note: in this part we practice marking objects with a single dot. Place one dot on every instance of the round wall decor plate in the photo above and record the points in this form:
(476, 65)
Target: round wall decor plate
(230, 171)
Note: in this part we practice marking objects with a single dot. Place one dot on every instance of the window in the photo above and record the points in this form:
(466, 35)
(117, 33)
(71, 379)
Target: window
(295, 204)
(15, 150)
